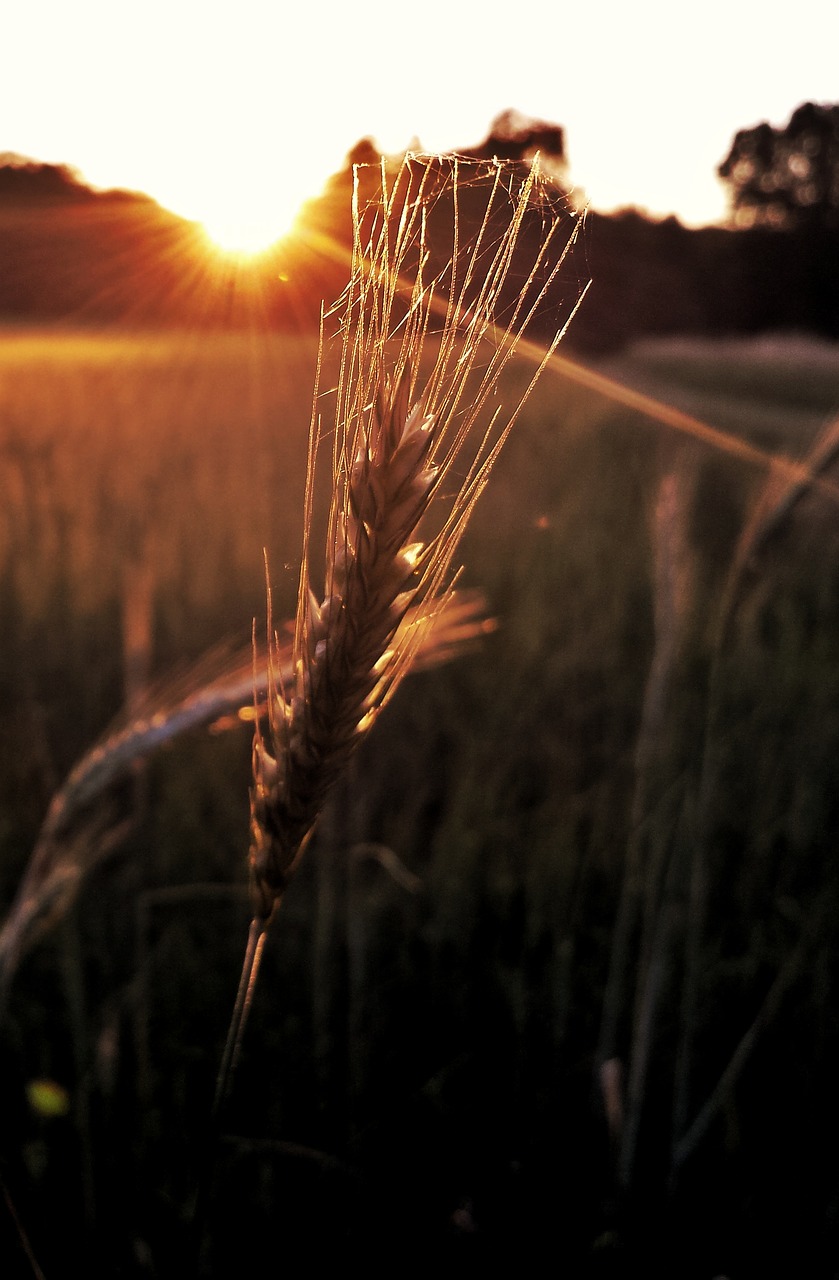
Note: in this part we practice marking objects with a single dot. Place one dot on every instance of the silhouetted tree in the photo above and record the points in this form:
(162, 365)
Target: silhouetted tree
(513, 136)
(786, 177)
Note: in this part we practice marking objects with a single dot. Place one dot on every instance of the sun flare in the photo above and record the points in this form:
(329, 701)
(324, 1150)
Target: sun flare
(245, 234)
(247, 215)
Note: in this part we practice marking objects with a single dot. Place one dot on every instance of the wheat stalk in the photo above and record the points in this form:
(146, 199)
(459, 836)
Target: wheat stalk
(396, 448)
(406, 445)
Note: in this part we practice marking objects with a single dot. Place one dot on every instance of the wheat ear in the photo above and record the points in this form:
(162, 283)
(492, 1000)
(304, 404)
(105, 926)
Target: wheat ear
(344, 663)
(395, 449)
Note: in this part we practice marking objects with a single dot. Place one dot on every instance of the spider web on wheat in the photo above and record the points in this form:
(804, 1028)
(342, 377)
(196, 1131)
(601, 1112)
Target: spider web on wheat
(456, 264)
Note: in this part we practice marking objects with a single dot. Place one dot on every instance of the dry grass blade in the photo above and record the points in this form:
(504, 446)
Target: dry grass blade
(786, 484)
(411, 452)
(644, 902)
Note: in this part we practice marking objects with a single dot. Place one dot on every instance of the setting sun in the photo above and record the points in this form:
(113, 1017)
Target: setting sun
(249, 230)
(245, 205)
(241, 238)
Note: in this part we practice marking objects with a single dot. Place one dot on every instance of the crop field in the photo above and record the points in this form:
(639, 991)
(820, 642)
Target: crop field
(559, 969)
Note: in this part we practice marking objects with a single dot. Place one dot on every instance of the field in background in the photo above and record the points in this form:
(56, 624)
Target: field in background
(592, 1005)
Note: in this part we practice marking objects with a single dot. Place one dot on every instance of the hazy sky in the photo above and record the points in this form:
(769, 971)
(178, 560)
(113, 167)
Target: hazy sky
(233, 109)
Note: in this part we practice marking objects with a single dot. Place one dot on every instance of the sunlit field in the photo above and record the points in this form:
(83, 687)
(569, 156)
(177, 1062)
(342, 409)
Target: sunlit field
(560, 969)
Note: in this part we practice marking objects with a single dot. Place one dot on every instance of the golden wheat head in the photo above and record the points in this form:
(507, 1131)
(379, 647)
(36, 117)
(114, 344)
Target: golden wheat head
(416, 432)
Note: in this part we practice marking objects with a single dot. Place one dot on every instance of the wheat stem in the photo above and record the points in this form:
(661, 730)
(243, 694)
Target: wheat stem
(257, 937)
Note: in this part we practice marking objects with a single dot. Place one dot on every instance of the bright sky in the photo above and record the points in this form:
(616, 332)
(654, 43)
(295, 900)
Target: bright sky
(238, 109)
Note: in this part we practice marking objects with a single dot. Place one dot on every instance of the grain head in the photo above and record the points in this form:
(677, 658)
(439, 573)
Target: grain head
(415, 432)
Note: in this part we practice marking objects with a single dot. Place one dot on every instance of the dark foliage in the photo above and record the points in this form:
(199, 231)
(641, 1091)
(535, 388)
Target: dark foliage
(656, 278)
(513, 136)
(787, 177)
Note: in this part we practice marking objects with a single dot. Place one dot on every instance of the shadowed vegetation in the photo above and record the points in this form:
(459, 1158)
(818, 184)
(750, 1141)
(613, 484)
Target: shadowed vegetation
(560, 969)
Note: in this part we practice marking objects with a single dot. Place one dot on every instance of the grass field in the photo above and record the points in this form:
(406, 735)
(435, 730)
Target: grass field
(586, 999)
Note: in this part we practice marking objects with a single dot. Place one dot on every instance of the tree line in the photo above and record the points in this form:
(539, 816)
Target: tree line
(69, 254)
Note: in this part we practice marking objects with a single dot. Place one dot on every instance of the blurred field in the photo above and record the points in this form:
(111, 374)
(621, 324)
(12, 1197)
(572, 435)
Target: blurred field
(617, 821)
